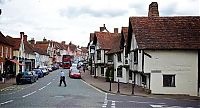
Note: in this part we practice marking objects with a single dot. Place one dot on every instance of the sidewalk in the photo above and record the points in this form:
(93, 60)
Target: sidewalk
(7, 83)
(126, 89)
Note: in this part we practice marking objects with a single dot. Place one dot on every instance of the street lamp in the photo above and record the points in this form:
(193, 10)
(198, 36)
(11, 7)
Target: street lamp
(92, 52)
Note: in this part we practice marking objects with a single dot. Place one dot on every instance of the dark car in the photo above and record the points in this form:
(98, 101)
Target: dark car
(44, 70)
(25, 77)
(35, 76)
(39, 72)
(74, 73)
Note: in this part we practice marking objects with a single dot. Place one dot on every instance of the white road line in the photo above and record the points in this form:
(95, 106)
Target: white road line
(42, 88)
(29, 94)
(113, 104)
(105, 101)
(156, 106)
(49, 83)
(93, 87)
(6, 102)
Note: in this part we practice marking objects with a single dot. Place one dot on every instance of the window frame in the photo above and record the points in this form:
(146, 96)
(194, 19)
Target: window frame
(119, 72)
(119, 57)
(135, 56)
(170, 82)
(110, 58)
(98, 54)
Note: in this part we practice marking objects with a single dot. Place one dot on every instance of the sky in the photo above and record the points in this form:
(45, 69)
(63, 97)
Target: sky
(74, 20)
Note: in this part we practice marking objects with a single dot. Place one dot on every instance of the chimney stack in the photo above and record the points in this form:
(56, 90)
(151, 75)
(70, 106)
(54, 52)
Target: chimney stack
(21, 35)
(44, 40)
(102, 28)
(25, 37)
(63, 42)
(32, 41)
(115, 30)
(153, 10)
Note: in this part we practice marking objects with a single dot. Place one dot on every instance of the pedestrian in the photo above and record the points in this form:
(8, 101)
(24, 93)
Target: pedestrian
(62, 78)
(84, 69)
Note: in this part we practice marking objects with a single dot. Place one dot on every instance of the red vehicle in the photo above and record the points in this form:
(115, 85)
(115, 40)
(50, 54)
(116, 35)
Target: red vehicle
(74, 73)
(66, 61)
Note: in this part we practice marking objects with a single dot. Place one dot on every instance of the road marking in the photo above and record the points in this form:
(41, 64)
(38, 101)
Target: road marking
(105, 100)
(29, 94)
(113, 104)
(6, 102)
(93, 87)
(156, 106)
(42, 88)
(49, 83)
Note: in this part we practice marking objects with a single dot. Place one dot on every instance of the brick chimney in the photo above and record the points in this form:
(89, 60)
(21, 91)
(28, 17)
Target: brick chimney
(25, 37)
(63, 42)
(153, 10)
(102, 28)
(21, 35)
(32, 41)
(115, 30)
(44, 40)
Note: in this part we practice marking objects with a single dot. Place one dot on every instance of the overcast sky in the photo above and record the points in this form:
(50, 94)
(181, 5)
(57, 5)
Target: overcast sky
(74, 20)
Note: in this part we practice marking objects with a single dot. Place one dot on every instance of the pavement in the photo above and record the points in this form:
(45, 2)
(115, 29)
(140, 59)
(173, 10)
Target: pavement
(124, 88)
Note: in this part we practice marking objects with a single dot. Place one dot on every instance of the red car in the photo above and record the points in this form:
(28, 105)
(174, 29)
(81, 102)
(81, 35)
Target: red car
(74, 73)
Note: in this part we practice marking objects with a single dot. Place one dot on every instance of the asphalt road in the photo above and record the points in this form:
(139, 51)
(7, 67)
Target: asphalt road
(46, 93)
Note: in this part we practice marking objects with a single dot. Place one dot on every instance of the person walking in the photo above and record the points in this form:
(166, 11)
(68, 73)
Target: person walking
(84, 68)
(62, 78)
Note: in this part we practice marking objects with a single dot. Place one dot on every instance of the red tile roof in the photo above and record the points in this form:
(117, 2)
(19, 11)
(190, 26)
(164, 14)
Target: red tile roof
(124, 33)
(4, 40)
(166, 32)
(72, 47)
(115, 46)
(84, 49)
(104, 39)
(15, 42)
(42, 48)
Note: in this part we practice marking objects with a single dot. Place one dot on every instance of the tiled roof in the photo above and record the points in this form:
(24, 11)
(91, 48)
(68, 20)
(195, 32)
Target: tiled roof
(4, 40)
(84, 49)
(104, 39)
(72, 47)
(166, 32)
(115, 45)
(124, 33)
(15, 42)
(28, 48)
(42, 48)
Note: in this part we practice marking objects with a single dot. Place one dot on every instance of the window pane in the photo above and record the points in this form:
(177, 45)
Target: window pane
(169, 80)
(119, 72)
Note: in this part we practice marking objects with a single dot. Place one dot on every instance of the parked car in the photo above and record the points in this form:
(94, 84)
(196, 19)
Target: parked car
(44, 70)
(74, 73)
(49, 68)
(39, 72)
(35, 76)
(25, 77)
(74, 65)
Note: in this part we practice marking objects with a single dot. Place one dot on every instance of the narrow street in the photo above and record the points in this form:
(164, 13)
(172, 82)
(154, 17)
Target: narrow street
(47, 93)
(78, 94)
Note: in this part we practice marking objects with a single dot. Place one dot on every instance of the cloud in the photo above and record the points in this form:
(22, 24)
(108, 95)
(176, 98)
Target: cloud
(4, 1)
(78, 11)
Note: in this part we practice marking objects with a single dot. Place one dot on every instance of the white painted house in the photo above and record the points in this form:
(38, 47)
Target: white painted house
(165, 52)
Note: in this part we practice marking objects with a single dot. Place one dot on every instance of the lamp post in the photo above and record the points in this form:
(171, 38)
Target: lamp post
(92, 52)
